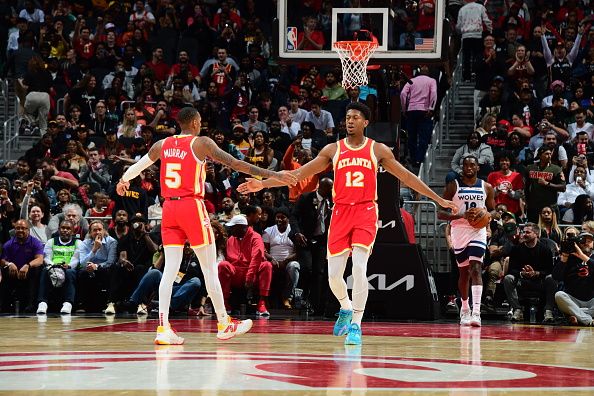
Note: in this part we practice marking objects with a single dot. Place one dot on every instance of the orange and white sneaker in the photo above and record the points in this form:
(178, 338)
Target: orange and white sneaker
(233, 327)
(167, 336)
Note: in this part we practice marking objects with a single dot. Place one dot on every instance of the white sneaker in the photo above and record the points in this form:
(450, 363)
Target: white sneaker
(141, 310)
(66, 308)
(465, 317)
(518, 315)
(475, 319)
(167, 336)
(42, 308)
(232, 328)
(548, 317)
(110, 310)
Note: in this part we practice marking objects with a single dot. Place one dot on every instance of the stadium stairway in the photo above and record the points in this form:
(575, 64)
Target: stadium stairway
(459, 124)
(8, 109)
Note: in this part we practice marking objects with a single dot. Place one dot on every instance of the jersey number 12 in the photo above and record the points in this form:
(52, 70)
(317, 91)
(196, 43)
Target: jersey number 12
(354, 179)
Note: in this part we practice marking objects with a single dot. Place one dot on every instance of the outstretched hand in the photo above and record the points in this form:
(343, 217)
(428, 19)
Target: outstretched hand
(286, 177)
(446, 204)
(250, 186)
(122, 187)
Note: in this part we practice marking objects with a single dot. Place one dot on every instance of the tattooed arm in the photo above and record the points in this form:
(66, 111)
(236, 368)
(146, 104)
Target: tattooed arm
(206, 147)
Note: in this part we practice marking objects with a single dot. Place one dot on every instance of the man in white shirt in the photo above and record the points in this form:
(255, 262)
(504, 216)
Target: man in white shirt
(558, 89)
(580, 124)
(579, 187)
(321, 119)
(288, 126)
(32, 14)
(296, 113)
(13, 38)
(280, 250)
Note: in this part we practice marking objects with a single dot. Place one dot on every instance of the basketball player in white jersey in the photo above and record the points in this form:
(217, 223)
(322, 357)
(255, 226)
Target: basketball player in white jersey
(468, 191)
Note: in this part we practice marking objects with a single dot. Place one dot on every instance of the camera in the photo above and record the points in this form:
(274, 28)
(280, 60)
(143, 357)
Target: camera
(568, 245)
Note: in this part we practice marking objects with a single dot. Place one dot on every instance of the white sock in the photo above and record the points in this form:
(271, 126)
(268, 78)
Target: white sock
(336, 267)
(360, 284)
(477, 293)
(465, 306)
(207, 255)
(173, 259)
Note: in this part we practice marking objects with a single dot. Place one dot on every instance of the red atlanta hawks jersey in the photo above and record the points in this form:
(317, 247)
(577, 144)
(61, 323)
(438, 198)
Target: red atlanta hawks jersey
(182, 174)
(355, 173)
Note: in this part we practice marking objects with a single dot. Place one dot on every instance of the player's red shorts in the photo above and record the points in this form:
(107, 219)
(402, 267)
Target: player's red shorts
(352, 225)
(186, 219)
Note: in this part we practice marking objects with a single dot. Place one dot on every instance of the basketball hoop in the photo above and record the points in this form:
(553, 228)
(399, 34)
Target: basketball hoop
(354, 56)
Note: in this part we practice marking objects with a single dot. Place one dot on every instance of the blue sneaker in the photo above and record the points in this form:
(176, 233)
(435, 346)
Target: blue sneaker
(341, 327)
(354, 335)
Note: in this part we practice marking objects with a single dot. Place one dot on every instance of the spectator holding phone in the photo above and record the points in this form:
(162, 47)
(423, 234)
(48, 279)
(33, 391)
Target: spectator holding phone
(579, 186)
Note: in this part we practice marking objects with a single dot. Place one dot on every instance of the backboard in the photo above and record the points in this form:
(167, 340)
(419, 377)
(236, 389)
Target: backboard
(407, 31)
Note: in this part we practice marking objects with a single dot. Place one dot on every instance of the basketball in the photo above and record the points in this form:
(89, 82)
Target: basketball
(478, 217)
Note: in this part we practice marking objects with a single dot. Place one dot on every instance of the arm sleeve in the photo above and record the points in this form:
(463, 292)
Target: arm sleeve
(86, 253)
(514, 266)
(48, 253)
(134, 170)
(546, 51)
(561, 199)
(112, 251)
(288, 158)
(75, 260)
(455, 164)
(487, 153)
(574, 50)
(25, 207)
(486, 20)
(433, 95)
(257, 257)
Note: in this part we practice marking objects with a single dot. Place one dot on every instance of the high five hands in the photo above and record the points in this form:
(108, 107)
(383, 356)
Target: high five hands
(252, 185)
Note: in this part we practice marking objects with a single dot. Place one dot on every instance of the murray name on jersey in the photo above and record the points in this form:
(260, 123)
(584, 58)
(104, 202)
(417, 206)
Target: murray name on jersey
(175, 153)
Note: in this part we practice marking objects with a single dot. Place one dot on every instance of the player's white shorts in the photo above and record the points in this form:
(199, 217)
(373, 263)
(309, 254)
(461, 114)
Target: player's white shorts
(468, 243)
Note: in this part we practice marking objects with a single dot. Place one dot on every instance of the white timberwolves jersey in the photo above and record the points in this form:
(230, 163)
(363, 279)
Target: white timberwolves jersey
(467, 241)
(467, 197)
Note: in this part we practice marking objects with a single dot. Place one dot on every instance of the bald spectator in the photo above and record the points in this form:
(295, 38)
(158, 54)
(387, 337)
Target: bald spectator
(22, 255)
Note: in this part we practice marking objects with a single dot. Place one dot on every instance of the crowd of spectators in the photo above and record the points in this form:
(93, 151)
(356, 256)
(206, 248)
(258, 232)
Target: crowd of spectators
(98, 83)
(531, 66)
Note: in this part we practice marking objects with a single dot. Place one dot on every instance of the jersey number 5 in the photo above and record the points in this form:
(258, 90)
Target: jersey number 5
(354, 179)
(172, 176)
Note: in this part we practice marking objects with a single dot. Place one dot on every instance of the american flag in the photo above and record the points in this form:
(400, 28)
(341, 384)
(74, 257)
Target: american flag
(424, 44)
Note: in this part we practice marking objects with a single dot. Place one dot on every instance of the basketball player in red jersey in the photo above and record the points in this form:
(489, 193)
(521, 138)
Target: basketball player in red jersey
(353, 225)
(183, 170)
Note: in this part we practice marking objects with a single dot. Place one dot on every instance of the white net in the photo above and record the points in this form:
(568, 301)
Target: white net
(354, 56)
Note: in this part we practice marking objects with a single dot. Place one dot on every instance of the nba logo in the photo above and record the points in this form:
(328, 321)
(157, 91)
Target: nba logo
(291, 38)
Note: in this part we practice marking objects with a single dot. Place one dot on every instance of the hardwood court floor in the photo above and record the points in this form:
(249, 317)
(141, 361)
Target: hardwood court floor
(91, 356)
